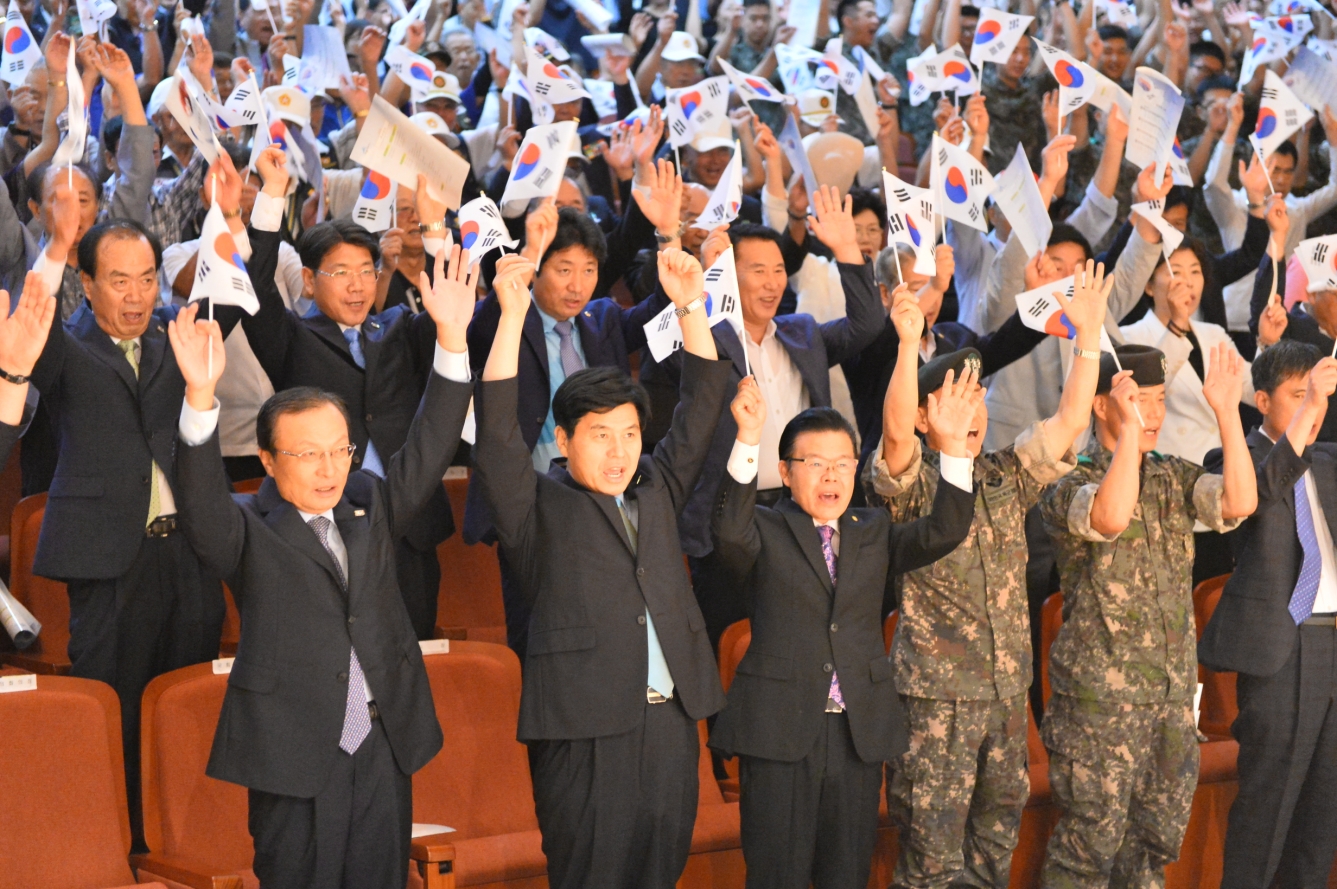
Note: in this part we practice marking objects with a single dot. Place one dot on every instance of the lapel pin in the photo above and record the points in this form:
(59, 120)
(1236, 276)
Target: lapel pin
(854, 518)
(359, 513)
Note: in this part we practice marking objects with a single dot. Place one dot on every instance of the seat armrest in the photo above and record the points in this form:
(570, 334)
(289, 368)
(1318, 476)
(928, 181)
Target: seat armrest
(435, 857)
(148, 868)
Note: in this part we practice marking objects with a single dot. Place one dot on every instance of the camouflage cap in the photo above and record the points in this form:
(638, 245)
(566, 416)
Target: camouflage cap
(1146, 362)
(934, 371)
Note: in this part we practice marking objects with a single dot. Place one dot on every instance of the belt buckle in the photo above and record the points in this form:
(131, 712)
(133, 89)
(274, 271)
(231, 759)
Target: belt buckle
(654, 697)
(833, 707)
(162, 526)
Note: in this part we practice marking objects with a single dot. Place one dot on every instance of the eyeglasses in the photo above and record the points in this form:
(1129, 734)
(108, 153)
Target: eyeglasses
(820, 465)
(311, 458)
(346, 276)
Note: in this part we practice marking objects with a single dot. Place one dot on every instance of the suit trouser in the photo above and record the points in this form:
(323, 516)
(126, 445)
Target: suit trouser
(1284, 821)
(354, 834)
(419, 575)
(163, 613)
(813, 821)
(617, 812)
(958, 793)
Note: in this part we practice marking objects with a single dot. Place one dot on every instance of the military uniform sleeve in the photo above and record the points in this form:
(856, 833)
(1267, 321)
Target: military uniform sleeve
(903, 495)
(1066, 507)
(1039, 464)
(1204, 499)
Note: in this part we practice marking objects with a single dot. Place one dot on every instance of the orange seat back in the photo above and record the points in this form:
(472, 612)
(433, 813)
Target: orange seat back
(1205, 597)
(709, 794)
(479, 782)
(733, 645)
(889, 627)
(46, 599)
(64, 820)
(1051, 619)
(188, 816)
(469, 596)
(1219, 707)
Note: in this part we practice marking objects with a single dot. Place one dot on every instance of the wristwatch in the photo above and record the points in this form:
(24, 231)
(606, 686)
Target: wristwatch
(438, 226)
(684, 311)
(16, 379)
(1086, 353)
(233, 215)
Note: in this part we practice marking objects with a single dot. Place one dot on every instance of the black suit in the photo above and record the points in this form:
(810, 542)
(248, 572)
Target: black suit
(1283, 823)
(1300, 325)
(810, 779)
(381, 399)
(139, 605)
(615, 777)
(279, 730)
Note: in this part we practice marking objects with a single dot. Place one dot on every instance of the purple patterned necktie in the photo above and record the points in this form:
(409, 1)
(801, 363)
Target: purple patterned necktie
(826, 532)
(357, 718)
(1311, 568)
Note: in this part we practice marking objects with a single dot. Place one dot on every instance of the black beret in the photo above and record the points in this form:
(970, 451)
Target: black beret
(935, 369)
(1146, 362)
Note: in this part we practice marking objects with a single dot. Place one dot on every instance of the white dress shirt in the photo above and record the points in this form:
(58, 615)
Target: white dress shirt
(1325, 601)
(785, 394)
(166, 502)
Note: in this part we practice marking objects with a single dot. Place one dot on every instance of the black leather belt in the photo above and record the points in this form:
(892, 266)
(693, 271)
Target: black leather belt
(373, 711)
(1321, 620)
(162, 526)
(654, 697)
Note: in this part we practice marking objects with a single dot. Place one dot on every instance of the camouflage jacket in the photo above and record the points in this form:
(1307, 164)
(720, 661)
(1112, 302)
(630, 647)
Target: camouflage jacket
(964, 631)
(1128, 634)
(1015, 116)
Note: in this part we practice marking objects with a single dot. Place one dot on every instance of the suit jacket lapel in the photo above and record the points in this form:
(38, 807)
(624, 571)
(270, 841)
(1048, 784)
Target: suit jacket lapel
(800, 353)
(533, 332)
(84, 326)
(607, 505)
(284, 518)
(153, 347)
(373, 334)
(591, 342)
(727, 338)
(353, 529)
(805, 534)
(328, 329)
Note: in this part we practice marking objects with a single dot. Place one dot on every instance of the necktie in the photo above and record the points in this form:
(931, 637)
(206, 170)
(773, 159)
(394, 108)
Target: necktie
(826, 532)
(155, 496)
(357, 718)
(657, 674)
(567, 351)
(1306, 585)
(355, 346)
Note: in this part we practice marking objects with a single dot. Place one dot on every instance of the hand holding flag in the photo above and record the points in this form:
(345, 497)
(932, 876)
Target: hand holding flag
(482, 229)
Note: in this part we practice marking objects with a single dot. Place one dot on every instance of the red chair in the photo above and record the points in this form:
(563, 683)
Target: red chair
(469, 604)
(1051, 618)
(716, 861)
(46, 599)
(64, 824)
(1218, 707)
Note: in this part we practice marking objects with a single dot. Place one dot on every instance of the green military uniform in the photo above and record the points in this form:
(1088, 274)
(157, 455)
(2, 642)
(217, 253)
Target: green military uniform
(963, 660)
(1015, 115)
(1122, 743)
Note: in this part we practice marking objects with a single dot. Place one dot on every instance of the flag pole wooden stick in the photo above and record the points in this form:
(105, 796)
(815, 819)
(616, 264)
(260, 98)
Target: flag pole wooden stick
(1119, 366)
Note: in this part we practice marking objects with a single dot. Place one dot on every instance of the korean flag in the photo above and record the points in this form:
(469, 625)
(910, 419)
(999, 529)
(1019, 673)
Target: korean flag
(996, 35)
(21, 51)
(959, 183)
(220, 272)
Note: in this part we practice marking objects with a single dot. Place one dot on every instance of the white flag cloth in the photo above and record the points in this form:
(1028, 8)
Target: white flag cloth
(400, 29)
(413, 69)
(696, 109)
(280, 137)
(997, 35)
(910, 220)
(1039, 310)
(960, 184)
(924, 75)
(261, 140)
(375, 206)
(482, 228)
(1157, 105)
(551, 84)
(833, 68)
(220, 273)
(1018, 196)
(548, 43)
(751, 88)
(794, 64)
(1325, 48)
(1290, 29)
(1076, 80)
(1119, 12)
(71, 148)
(400, 149)
(1280, 114)
(663, 333)
(92, 13)
(1108, 94)
(243, 105)
(1318, 257)
(727, 196)
(955, 73)
(1264, 48)
(540, 162)
(21, 51)
(323, 52)
(1171, 237)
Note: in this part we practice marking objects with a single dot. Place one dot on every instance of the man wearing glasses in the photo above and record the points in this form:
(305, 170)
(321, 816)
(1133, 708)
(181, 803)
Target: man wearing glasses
(377, 363)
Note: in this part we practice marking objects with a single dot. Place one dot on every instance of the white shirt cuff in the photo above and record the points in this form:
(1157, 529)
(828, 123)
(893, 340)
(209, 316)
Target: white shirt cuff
(52, 273)
(434, 243)
(957, 471)
(743, 462)
(453, 366)
(197, 426)
(267, 214)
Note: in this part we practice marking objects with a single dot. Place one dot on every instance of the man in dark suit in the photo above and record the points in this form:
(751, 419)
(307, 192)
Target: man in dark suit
(791, 355)
(565, 330)
(618, 668)
(328, 710)
(813, 712)
(1274, 625)
(378, 364)
(141, 603)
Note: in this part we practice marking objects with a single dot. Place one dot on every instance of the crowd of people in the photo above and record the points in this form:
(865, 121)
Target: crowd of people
(882, 393)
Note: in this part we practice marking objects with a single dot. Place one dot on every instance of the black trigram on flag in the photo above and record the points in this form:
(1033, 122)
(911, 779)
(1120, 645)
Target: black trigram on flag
(727, 304)
(664, 321)
(1292, 117)
(1013, 24)
(203, 271)
(489, 241)
(713, 88)
(16, 65)
(1067, 294)
(240, 284)
(931, 70)
(901, 195)
(714, 275)
(895, 225)
(1269, 93)
(1320, 252)
(542, 88)
(542, 178)
(974, 212)
(942, 155)
(553, 138)
(1154, 205)
(1038, 309)
(679, 127)
(925, 208)
(368, 214)
(976, 176)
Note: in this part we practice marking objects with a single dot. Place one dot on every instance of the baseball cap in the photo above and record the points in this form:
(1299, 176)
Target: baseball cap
(815, 106)
(444, 86)
(289, 103)
(681, 47)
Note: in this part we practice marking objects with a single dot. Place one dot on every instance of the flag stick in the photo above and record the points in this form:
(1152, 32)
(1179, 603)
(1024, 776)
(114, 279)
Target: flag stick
(272, 24)
(1119, 367)
(211, 337)
(677, 161)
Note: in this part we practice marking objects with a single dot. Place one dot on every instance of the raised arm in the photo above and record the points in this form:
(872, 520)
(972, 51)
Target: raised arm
(1086, 311)
(270, 330)
(1117, 495)
(1221, 388)
(22, 336)
(901, 405)
(833, 224)
(733, 526)
(1321, 384)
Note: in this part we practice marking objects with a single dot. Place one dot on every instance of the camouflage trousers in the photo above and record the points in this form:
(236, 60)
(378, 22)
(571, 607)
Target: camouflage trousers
(958, 792)
(1123, 777)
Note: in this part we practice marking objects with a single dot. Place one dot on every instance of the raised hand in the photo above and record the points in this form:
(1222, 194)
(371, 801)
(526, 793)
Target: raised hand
(833, 223)
(450, 299)
(511, 283)
(193, 341)
(1236, 14)
(1254, 179)
(272, 165)
(1090, 292)
(645, 140)
(681, 276)
(1182, 304)
(714, 245)
(355, 91)
(1116, 125)
(767, 145)
(951, 411)
(1123, 395)
(977, 116)
(906, 315)
(540, 229)
(1041, 270)
(619, 154)
(65, 213)
(749, 411)
(1322, 382)
(944, 261)
(1148, 189)
(1272, 323)
(430, 210)
(1278, 220)
(201, 60)
(23, 334)
(392, 245)
(1225, 373)
(1054, 160)
(57, 55)
(659, 196)
(1049, 111)
(224, 177)
(370, 46)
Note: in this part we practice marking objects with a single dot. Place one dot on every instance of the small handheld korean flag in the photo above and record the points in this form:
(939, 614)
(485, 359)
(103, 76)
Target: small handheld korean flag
(220, 273)
(924, 75)
(663, 333)
(1280, 114)
(413, 69)
(1264, 48)
(1318, 257)
(910, 220)
(1289, 29)
(997, 35)
(727, 197)
(551, 84)
(1171, 237)
(71, 148)
(956, 75)
(833, 68)
(1040, 310)
(696, 109)
(21, 51)
(1119, 12)
(960, 184)
(794, 62)
(1179, 165)
(92, 13)
(375, 203)
(751, 88)
(400, 29)
(1076, 81)
(482, 228)
(540, 162)
(1018, 196)
(791, 142)
(185, 104)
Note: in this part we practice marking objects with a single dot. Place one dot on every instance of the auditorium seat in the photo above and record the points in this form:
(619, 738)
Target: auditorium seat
(469, 604)
(716, 861)
(1218, 707)
(733, 645)
(64, 824)
(46, 599)
(1051, 618)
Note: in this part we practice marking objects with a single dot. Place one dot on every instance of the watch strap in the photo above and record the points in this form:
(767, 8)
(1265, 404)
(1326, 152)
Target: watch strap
(690, 307)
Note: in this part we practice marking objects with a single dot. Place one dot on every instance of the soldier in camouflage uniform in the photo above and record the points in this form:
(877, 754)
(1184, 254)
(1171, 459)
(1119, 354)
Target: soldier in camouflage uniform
(962, 650)
(1122, 745)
